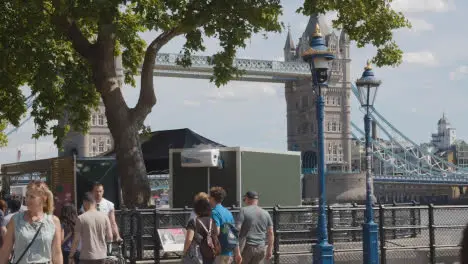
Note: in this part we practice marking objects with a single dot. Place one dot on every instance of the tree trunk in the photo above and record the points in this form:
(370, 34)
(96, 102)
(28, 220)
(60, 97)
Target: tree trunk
(130, 162)
(131, 167)
(125, 132)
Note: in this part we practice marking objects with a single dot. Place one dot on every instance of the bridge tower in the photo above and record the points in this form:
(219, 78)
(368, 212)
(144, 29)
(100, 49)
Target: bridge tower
(98, 140)
(300, 101)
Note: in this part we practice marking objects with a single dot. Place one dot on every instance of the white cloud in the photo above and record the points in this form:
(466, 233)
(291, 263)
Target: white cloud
(191, 103)
(242, 91)
(279, 58)
(414, 6)
(329, 17)
(423, 58)
(460, 73)
(419, 25)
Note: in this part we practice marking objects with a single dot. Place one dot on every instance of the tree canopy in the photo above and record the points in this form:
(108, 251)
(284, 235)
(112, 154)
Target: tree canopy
(45, 44)
(64, 50)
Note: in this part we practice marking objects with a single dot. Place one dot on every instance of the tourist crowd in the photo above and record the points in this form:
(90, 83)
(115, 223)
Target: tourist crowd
(34, 235)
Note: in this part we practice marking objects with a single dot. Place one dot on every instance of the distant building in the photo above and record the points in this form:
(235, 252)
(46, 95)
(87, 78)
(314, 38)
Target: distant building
(460, 156)
(445, 136)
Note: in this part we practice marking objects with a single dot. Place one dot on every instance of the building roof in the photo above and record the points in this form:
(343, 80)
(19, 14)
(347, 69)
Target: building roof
(313, 21)
(443, 120)
(156, 146)
(289, 45)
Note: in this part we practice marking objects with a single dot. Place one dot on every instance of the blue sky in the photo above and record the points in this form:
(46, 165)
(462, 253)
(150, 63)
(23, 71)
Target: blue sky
(432, 80)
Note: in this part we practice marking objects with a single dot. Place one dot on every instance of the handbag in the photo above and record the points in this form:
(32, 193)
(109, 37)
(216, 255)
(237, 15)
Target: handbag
(29, 245)
(193, 255)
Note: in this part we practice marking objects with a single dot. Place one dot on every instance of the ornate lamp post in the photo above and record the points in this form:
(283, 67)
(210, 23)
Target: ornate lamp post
(367, 87)
(318, 57)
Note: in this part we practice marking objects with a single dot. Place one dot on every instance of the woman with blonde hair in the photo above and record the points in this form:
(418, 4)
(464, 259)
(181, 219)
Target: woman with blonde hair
(36, 233)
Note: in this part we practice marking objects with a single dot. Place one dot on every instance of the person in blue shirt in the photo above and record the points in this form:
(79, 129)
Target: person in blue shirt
(221, 215)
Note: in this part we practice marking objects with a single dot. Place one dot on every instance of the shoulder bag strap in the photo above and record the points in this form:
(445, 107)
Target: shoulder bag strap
(30, 244)
(204, 227)
(66, 238)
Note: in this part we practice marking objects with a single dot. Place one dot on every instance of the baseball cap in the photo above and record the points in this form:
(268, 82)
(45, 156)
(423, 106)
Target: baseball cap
(251, 195)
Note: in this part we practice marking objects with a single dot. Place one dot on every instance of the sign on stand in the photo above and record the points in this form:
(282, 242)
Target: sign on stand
(172, 239)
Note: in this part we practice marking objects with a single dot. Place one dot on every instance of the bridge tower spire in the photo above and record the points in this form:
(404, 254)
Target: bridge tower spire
(289, 47)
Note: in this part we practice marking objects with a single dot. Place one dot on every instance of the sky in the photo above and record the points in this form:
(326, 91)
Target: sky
(432, 79)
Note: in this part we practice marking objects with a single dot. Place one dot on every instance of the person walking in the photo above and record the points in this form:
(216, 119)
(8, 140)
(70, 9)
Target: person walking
(34, 235)
(3, 213)
(105, 206)
(199, 229)
(13, 206)
(68, 218)
(256, 231)
(93, 229)
(222, 218)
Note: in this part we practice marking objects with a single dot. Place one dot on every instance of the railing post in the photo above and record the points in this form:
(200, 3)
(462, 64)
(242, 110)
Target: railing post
(330, 224)
(275, 231)
(413, 220)
(383, 251)
(157, 242)
(432, 253)
(139, 234)
(394, 221)
(132, 239)
(354, 222)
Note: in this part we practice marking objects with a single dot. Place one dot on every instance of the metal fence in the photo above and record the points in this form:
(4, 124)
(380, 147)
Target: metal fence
(407, 233)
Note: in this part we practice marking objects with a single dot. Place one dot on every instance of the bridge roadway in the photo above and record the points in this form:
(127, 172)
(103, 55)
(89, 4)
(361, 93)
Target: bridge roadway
(453, 179)
(255, 70)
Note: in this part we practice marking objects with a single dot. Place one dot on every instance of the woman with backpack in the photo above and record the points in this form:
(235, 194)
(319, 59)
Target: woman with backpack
(201, 242)
(68, 218)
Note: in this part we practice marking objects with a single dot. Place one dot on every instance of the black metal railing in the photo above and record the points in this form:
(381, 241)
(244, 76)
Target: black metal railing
(408, 233)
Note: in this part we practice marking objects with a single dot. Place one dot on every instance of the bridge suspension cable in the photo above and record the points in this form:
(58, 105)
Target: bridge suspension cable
(410, 147)
(29, 103)
(397, 163)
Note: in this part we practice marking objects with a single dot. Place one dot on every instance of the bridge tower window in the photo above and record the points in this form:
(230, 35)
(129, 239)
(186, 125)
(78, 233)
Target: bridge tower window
(94, 120)
(101, 120)
(334, 126)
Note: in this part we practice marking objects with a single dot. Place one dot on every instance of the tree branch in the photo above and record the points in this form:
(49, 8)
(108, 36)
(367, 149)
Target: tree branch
(71, 30)
(147, 98)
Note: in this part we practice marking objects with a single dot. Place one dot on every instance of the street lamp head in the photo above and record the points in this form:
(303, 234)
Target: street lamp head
(318, 55)
(367, 86)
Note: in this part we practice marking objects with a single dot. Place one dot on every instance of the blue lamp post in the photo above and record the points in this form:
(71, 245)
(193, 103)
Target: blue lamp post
(367, 88)
(318, 56)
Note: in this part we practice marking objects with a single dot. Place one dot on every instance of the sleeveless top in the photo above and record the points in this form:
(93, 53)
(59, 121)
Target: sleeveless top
(41, 249)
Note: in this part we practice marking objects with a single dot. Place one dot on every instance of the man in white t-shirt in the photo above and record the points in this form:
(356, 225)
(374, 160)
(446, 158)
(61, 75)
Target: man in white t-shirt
(107, 207)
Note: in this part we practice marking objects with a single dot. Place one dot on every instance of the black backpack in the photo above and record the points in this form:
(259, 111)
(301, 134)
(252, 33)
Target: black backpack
(209, 245)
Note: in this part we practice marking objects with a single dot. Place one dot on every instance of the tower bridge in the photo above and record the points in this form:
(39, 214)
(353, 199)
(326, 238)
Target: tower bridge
(410, 165)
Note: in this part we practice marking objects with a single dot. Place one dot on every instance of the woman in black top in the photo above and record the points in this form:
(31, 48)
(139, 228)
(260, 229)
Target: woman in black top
(202, 208)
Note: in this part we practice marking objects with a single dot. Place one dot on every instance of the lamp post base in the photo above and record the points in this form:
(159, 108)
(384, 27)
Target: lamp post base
(370, 243)
(323, 253)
